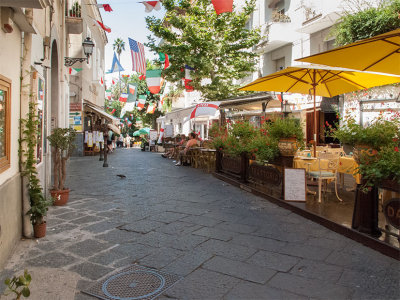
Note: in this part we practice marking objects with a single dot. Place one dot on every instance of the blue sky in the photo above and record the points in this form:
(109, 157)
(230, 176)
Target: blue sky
(126, 20)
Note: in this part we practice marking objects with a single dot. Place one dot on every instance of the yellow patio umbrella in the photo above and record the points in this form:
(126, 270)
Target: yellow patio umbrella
(318, 80)
(380, 53)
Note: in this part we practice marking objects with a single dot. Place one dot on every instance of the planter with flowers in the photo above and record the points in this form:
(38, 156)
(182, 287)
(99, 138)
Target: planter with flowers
(289, 134)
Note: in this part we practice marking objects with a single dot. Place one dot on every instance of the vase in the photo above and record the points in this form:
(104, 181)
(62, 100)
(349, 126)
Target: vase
(60, 197)
(39, 230)
(363, 150)
(288, 146)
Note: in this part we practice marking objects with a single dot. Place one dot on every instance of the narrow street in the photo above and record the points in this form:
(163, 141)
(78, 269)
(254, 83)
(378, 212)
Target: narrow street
(224, 242)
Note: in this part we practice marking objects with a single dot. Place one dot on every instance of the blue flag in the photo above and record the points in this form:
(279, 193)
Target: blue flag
(116, 66)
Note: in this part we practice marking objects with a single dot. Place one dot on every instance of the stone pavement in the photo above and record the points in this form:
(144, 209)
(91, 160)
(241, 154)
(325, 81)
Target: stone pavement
(225, 242)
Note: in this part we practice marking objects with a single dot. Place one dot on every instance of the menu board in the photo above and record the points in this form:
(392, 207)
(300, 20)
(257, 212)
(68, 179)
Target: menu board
(294, 185)
(169, 130)
(153, 135)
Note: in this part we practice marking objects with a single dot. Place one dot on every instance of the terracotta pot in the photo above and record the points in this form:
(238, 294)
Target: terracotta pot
(61, 197)
(288, 146)
(39, 230)
(359, 150)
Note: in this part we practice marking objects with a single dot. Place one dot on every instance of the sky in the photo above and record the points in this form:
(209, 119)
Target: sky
(126, 20)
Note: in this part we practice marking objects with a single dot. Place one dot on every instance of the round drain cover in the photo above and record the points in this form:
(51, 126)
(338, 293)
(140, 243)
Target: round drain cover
(137, 284)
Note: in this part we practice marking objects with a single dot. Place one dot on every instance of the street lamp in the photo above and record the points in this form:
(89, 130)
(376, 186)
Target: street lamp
(286, 109)
(88, 46)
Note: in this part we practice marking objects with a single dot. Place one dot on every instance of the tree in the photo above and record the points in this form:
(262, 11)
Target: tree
(217, 46)
(368, 21)
(119, 46)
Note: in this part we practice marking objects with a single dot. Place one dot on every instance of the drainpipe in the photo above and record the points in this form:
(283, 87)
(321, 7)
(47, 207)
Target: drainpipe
(26, 38)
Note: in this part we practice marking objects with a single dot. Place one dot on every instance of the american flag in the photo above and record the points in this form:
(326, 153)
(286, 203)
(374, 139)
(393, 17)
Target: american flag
(138, 59)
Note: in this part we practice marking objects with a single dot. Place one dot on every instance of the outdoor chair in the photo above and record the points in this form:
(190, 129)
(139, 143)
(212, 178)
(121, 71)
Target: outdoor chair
(327, 171)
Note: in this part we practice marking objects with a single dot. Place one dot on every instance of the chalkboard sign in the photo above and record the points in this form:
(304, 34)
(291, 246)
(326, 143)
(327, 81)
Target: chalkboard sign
(294, 185)
(153, 135)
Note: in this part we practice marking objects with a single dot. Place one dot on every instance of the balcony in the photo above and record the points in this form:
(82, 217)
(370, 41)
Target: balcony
(26, 3)
(73, 19)
(276, 35)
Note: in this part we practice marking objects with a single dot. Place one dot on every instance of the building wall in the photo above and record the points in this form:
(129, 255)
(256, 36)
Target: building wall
(10, 188)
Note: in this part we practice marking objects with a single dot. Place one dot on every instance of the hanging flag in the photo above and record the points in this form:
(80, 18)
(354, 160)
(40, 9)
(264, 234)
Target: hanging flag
(150, 5)
(153, 79)
(101, 81)
(222, 6)
(279, 96)
(116, 66)
(151, 108)
(104, 27)
(106, 7)
(164, 59)
(113, 111)
(188, 72)
(108, 94)
(141, 102)
(138, 57)
(113, 82)
(132, 90)
(74, 71)
(123, 97)
(142, 77)
(188, 86)
(160, 138)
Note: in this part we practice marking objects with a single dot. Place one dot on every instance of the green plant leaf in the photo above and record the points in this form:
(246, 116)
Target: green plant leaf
(26, 292)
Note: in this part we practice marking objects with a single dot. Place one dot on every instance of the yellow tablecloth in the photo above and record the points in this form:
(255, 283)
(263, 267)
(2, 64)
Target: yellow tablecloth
(347, 165)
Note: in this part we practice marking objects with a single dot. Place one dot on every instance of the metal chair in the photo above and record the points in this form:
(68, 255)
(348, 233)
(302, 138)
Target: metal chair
(326, 172)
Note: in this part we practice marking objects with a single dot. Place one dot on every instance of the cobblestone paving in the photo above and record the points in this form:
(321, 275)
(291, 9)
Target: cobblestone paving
(225, 242)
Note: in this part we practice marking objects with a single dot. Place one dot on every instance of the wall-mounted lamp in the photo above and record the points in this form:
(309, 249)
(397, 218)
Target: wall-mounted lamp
(88, 46)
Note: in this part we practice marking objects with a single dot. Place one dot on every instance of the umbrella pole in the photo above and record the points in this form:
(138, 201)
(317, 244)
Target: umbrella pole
(315, 116)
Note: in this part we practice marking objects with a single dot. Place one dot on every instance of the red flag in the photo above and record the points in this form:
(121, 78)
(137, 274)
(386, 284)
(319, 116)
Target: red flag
(123, 97)
(106, 7)
(166, 63)
(142, 77)
(105, 28)
(113, 111)
(222, 6)
(113, 82)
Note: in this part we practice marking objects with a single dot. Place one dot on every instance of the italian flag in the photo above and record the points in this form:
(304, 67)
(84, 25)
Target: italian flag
(164, 58)
(132, 89)
(108, 94)
(150, 5)
(141, 102)
(74, 71)
(123, 97)
(153, 79)
(151, 108)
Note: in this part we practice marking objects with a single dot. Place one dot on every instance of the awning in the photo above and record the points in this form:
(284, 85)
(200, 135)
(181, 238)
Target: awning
(97, 109)
(250, 102)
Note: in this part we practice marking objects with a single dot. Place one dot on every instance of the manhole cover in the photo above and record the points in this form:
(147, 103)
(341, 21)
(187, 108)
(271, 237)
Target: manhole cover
(134, 282)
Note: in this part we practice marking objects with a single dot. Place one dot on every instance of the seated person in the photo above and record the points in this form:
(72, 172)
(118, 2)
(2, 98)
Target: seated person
(192, 142)
(170, 153)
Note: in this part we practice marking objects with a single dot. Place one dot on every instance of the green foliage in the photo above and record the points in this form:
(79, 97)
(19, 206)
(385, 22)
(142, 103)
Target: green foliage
(243, 137)
(215, 45)
(19, 285)
(63, 142)
(39, 204)
(119, 46)
(378, 134)
(285, 128)
(368, 23)
(385, 165)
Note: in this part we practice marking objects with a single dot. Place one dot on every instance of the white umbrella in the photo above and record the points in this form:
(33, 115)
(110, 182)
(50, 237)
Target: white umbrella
(205, 109)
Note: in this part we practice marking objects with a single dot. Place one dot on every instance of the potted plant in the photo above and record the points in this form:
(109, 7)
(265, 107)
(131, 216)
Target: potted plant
(289, 134)
(62, 143)
(38, 203)
(263, 148)
(367, 141)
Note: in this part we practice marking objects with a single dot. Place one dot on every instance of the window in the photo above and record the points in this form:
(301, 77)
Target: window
(40, 106)
(5, 96)
(280, 64)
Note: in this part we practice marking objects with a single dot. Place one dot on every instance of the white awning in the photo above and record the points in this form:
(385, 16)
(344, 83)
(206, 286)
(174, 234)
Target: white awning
(97, 109)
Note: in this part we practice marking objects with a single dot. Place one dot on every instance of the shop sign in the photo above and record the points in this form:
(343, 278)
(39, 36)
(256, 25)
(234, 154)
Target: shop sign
(75, 106)
(391, 210)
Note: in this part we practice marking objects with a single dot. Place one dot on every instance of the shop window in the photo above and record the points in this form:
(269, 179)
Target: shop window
(40, 106)
(5, 96)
